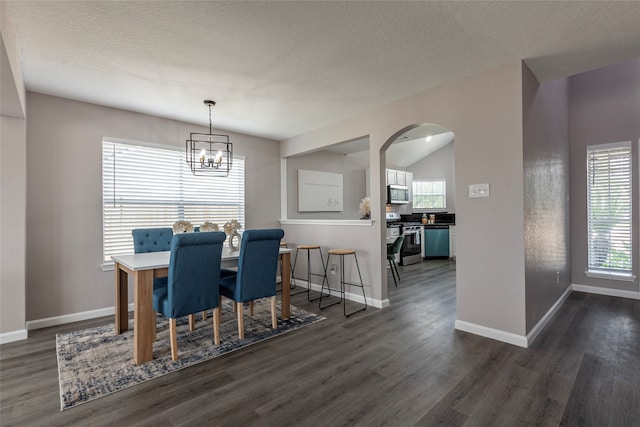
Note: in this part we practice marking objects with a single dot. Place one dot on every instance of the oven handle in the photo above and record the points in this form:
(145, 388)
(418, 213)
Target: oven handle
(411, 232)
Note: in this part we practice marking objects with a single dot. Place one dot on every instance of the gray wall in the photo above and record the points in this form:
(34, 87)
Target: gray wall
(546, 193)
(438, 165)
(352, 169)
(485, 113)
(64, 196)
(13, 185)
(12, 225)
(604, 107)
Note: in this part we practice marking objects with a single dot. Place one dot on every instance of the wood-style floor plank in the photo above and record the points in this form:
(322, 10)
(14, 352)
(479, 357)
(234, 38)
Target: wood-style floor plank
(402, 366)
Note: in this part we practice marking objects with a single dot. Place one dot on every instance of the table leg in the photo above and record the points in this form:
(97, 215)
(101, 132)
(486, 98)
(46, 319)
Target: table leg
(122, 300)
(144, 322)
(286, 285)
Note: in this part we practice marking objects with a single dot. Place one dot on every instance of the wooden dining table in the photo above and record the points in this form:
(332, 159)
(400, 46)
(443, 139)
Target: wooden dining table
(144, 267)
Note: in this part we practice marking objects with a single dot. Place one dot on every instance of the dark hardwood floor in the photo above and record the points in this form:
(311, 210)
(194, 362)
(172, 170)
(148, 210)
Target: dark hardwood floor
(402, 366)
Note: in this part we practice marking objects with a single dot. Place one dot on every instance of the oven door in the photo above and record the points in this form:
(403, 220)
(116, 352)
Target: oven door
(411, 251)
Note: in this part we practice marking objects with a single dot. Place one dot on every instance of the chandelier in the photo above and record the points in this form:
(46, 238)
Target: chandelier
(209, 153)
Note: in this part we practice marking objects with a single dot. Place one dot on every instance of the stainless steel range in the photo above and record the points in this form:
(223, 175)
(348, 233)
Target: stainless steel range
(412, 249)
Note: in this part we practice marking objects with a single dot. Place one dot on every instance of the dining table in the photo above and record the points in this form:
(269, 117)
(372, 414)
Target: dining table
(144, 267)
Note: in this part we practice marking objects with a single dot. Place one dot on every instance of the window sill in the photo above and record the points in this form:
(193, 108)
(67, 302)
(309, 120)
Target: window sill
(624, 277)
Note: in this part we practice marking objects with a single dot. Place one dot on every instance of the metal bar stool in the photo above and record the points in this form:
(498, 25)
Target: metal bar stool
(341, 253)
(309, 248)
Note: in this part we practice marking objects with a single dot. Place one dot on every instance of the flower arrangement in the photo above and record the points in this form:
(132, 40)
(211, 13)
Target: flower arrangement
(209, 226)
(182, 227)
(232, 227)
(365, 208)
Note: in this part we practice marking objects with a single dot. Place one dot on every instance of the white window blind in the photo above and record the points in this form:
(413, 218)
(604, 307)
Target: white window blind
(430, 194)
(146, 187)
(609, 208)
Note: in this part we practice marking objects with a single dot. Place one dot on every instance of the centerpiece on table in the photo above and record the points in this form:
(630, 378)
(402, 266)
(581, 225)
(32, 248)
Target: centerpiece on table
(365, 208)
(231, 229)
(182, 227)
(209, 226)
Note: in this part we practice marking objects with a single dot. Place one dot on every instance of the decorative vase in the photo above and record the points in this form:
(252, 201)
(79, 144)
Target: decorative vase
(234, 241)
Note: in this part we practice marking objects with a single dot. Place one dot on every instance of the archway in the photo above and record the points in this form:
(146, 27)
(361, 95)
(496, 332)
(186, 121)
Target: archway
(423, 155)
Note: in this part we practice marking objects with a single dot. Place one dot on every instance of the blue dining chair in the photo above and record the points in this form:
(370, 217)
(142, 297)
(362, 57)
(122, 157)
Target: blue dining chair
(152, 240)
(192, 286)
(256, 275)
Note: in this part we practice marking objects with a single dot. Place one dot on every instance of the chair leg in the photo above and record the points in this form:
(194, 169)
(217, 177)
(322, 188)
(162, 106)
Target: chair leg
(174, 339)
(216, 325)
(204, 315)
(192, 322)
(240, 320)
(219, 315)
(251, 308)
(274, 317)
(393, 273)
(397, 272)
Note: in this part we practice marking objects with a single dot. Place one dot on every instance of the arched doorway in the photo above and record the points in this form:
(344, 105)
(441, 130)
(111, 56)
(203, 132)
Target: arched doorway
(423, 155)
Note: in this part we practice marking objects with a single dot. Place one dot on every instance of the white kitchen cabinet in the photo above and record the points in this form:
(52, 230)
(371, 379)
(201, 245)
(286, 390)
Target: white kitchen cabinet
(401, 178)
(396, 177)
(391, 177)
(452, 241)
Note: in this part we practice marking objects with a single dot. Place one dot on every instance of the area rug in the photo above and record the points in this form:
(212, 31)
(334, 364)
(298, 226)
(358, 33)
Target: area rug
(95, 362)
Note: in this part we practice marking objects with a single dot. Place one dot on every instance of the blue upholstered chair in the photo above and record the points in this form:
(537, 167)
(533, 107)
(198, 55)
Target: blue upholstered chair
(256, 276)
(392, 251)
(194, 274)
(152, 240)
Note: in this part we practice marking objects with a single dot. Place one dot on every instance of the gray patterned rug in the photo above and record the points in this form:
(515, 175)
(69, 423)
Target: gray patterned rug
(95, 362)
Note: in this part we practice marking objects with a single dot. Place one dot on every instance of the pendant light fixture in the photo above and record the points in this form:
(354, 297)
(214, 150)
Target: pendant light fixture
(208, 153)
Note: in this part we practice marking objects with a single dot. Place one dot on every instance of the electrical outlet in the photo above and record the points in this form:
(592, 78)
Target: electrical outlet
(333, 269)
(557, 277)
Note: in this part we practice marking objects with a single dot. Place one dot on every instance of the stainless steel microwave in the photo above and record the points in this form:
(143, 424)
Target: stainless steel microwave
(397, 195)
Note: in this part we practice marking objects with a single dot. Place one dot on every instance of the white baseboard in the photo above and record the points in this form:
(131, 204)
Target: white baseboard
(372, 302)
(511, 338)
(606, 291)
(7, 337)
(495, 334)
(539, 327)
(73, 317)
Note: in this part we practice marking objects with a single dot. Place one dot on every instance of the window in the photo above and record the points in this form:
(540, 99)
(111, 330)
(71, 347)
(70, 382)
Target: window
(144, 186)
(609, 209)
(430, 194)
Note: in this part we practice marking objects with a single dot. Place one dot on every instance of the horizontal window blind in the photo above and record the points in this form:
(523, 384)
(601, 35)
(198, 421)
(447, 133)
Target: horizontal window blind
(145, 187)
(609, 208)
(430, 194)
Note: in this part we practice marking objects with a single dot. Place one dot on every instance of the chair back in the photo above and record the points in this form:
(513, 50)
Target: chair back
(394, 249)
(258, 264)
(194, 272)
(151, 239)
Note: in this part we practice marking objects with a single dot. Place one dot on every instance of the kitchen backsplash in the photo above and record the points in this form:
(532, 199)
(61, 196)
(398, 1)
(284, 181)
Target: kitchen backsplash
(441, 218)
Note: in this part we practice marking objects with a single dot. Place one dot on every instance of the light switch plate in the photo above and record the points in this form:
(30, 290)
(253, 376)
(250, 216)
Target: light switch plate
(479, 190)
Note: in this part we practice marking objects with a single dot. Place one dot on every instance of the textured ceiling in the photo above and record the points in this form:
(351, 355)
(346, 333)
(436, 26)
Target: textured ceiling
(279, 69)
